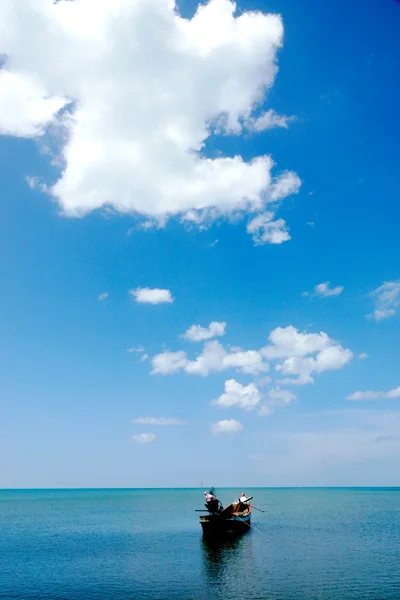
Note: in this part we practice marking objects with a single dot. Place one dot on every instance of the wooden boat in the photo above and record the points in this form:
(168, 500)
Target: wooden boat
(234, 519)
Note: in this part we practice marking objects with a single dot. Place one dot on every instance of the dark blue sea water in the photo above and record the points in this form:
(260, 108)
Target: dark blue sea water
(329, 544)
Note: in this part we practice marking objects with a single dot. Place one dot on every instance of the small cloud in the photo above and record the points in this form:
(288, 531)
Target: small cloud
(163, 421)
(151, 295)
(311, 193)
(143, 438)
(247, 397)
(138, 349)
(310, 224)
(363, 355)
(228, 426)
(103, 296)
(215, 242)
(268, 120)
(197, 333)
(370, 395)
(144, 358)
(324, 290)
(265, 230)
(387, 300)
(35, 183)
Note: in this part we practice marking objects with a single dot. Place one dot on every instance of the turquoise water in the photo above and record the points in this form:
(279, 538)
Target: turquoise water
(329, 544)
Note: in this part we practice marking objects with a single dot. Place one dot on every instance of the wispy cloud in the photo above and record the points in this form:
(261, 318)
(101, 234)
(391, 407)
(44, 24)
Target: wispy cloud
(143, 438)
(103, 296)
(387, 300)
(370, 395)
(138, 349)
(324, 290)
(163, 421)
(228, 426)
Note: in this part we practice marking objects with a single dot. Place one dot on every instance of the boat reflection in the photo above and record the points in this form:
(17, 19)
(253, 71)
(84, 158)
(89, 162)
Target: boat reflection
(225, 558)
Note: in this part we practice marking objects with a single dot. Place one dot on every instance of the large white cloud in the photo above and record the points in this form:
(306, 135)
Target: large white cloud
(133, 92)
(303, 354)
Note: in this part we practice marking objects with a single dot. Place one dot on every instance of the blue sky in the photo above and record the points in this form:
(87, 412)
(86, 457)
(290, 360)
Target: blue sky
(110, 222)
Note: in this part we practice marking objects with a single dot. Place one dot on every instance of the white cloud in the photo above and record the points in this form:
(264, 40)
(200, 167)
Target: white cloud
(267, 231)
(151, 296)
(25, 108)
(144, 358)
(197, 333)
(103, 296)
(143, 438)
(363, 356)
(247, 397)
(296, 348)
(140, 90)
(212, 359)
(286, 184)
(369, 395)
(226, 426)
(325, 290)
(289, 341)
(286, 343)
(279, 397)
(163, 421)
(215, 358)
(138, 349)
(269, 120)
(168, 362)
(276, 397)
(331, 358)
(387, 300)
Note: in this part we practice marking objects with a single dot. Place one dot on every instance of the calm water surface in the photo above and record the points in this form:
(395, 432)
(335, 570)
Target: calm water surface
(328, 544)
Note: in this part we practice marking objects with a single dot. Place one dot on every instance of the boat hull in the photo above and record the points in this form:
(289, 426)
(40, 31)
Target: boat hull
(217, 525)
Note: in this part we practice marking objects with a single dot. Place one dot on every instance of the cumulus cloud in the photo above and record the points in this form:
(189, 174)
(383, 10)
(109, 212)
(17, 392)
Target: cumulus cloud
(103, 296)
(151, 296)
(226, 426)
(289, 341)
(163, 421)
(297, 348)
(387, 300)
(143, 438)
(304, 354)
(136, 90)
(265, 230)
(369, 395)
(197, 333)
(329, 359)
(169, 362)
(213, 358)
(247, 397)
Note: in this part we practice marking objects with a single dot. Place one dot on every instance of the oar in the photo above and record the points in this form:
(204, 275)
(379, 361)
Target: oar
(252, 506)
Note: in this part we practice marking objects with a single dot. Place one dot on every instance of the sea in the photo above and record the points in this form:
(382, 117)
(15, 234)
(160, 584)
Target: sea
(309, 544)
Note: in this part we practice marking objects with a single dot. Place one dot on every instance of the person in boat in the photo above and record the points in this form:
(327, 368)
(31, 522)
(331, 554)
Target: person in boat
(243, 500)
(212, 504)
